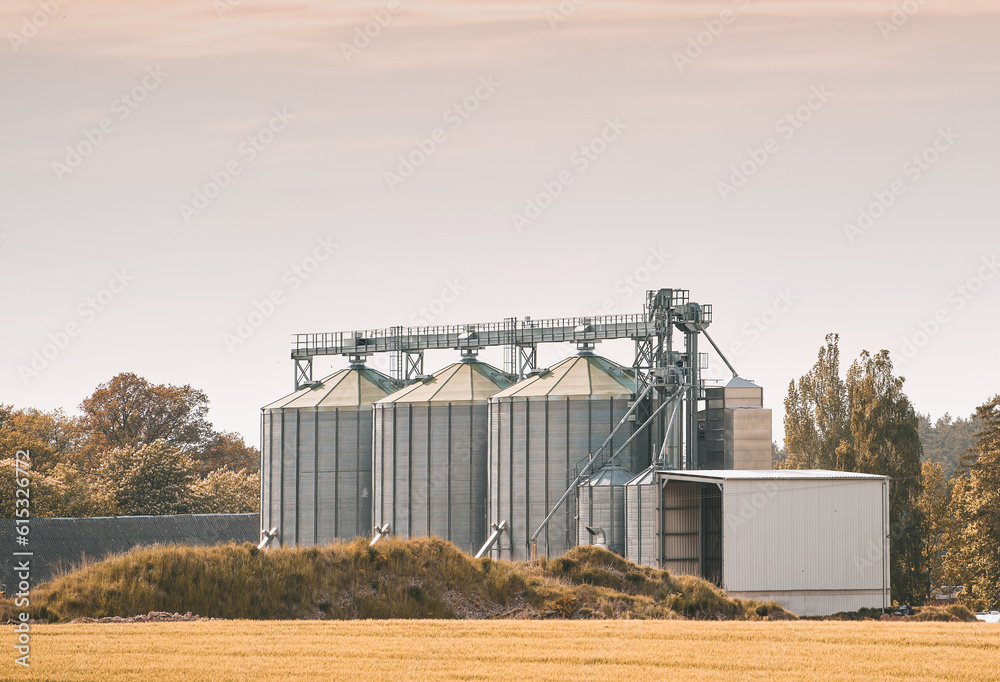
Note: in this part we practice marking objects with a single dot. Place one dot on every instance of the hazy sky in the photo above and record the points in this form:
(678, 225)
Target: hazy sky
(167, 166)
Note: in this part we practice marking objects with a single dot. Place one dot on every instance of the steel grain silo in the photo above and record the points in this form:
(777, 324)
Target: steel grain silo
(430, 452)
(601, 504)
(316, 484)
(542, 431)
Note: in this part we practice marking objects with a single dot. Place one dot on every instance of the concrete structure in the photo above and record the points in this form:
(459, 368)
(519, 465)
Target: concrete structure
(430, 455)
(814, 541)
(316, 458)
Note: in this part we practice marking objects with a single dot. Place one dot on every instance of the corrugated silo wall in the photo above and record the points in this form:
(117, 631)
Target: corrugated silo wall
(536, 449)
(602, 506)
(316, 475)
(430, 471)
(641, 511)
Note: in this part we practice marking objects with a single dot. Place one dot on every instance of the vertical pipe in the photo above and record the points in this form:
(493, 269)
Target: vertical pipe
(692, 409)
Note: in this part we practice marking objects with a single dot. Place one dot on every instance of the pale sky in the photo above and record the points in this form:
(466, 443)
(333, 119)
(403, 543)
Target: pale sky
(117, 114)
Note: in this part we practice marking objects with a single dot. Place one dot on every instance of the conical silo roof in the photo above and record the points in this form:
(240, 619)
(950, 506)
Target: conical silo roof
(466, 381)
(584, 374)
(354, 386)
(611, 474)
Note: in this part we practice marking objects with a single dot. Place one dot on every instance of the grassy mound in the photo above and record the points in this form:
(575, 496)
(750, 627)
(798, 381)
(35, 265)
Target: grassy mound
(421, 578)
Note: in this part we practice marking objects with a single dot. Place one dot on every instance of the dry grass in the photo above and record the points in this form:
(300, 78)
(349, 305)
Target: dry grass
(420, 578)
(513, 650)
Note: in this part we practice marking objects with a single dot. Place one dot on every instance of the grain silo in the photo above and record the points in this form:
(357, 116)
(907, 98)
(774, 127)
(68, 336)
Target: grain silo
(430, 452)
(601, 505)
(542, 431)
(316, 473)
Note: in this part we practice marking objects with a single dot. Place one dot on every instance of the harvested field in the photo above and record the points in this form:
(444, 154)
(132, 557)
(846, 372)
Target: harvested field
(587, 650)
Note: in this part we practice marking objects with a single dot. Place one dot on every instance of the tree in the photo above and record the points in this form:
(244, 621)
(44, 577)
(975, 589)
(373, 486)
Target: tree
(956, 561)
(130, 412)
(778, 455)
(934, 504)
(946, 440)
(227, 451)
(154, 479)
(226, 492)
(50, 437)
(982, 509)
(816, 413)
(45, 493)
(868, 425)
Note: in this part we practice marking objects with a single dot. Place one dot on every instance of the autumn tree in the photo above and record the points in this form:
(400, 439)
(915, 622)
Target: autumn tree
(946, 440)
(816, 413)
(153, 479)
(982, 510)
(50, 437)
(130, 412)
(865, 424)
(45, 493)
(940, 526)
(226, 492)
(227, 451)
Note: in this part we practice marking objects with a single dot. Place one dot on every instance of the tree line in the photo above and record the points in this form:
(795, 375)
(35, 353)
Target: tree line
(944, 494)
(137, 448)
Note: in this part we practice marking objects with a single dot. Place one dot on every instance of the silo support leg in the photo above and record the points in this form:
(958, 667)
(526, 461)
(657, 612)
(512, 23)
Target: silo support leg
(303, 372)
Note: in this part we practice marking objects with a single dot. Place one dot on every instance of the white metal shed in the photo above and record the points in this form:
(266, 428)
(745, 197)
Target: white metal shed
(814, 541)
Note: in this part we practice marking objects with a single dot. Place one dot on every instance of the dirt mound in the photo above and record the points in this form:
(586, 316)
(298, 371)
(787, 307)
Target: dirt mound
(419, 578)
